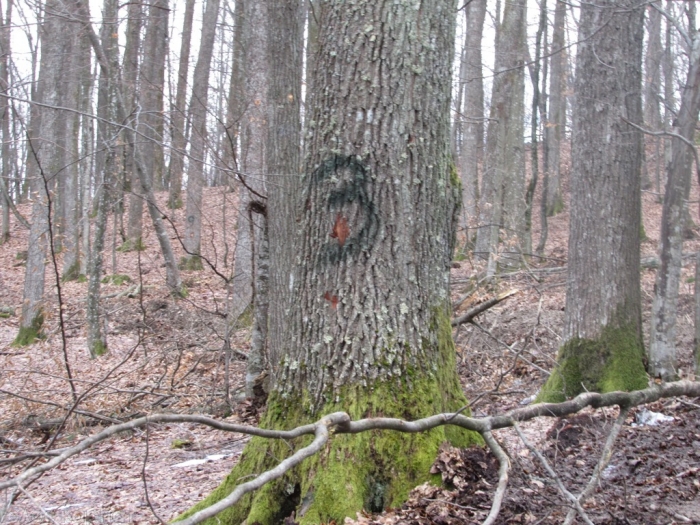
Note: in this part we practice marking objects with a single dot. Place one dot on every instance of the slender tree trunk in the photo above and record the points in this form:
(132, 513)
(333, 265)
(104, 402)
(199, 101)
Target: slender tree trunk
(536, 109)
(285, 54)
(172, 274)
(370, 328)
(79, 65)
(105, 165)
(151, 87)
(130, 89)
(6, 173)
(556, 123)
(234, 110)
(668, 70)
(503, 186)
(662, 347)
(178, 137)
(44, 164)
(252, 158)
(472, 152)
(198, 138)
(603, 349)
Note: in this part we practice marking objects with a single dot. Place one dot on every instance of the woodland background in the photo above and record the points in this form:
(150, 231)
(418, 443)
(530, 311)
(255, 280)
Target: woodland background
(191, 96)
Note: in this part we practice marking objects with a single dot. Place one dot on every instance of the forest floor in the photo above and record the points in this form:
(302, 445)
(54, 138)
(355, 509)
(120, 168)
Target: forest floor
(167, 356)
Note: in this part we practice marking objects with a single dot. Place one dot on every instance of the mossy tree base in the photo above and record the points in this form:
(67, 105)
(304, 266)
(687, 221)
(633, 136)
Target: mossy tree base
(612, 362)
(28, 334)
(98, 349)
(193, 263)
(371, 470)
(72, 273)
(132, 245)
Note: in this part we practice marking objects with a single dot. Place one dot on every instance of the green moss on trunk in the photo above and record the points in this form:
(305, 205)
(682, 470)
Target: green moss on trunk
(72, 273)
(371, 470)
(192, 263)
(28, 334)
(132, 245)
(98, 348)
(612, 362)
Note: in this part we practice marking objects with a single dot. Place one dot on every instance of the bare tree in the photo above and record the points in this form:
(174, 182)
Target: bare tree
(556, 122)
(603, 349)
(252, 163)
(177, 126)
(502, 203)
(370, 328)
(662, 345)
(472, 150)
(6, 168)
(130, 89)
(45, 161)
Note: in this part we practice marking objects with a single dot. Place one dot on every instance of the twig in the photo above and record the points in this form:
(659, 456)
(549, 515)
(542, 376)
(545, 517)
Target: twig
(472, 313)
(602, 463)
(554, 476)
(504, 467)
(145, 482)
(36, 504)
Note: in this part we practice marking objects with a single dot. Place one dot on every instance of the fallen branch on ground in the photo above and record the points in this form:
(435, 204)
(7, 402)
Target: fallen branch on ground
(482, 307)
(340, 423)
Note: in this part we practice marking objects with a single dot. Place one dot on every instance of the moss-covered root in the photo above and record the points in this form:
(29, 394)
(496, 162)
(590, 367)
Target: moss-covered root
(371, 470)
(612, 362)
(28, 334)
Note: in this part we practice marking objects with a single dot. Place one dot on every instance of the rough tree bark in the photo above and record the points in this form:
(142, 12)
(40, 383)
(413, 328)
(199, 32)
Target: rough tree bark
(662, 344)
(603, 349)
(285, 53)
(198, 137)
(502, 202)
(370, 331)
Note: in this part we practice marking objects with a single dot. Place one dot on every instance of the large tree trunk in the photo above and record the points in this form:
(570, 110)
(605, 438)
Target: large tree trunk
(370, 331)
(502, 204)
(602, 348)
(662, 344)
(198, 138)
(177, 128)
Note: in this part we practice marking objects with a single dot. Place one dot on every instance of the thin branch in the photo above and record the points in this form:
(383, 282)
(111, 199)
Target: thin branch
(602, 463)
(554, 476)
(472, 313)
(504, 467)
(669, 134)
(343, 425)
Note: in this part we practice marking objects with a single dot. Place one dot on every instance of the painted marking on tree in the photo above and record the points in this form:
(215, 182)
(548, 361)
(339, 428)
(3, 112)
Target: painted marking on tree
(349, 198)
